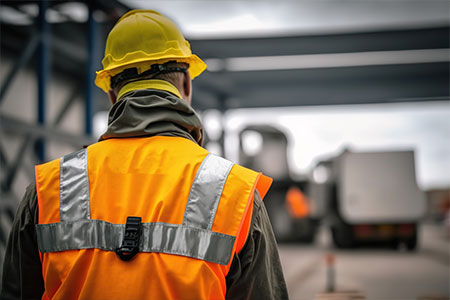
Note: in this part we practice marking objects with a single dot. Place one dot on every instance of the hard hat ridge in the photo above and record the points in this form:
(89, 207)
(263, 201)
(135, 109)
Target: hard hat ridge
(140, 39)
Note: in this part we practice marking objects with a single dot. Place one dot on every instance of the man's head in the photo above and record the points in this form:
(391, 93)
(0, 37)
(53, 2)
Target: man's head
(146, 45)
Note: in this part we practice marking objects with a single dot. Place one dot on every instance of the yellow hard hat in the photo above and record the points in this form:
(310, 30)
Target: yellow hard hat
(140, 39)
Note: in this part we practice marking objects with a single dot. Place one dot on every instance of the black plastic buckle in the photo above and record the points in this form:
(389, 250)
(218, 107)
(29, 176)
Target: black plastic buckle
(130, 243)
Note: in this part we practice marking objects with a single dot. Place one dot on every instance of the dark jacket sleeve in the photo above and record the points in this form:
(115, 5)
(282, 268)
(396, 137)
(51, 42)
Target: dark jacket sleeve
(22, 269)
(256, 271)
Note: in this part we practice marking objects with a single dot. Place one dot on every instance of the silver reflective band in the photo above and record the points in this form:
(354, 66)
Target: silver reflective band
(74, 187)
(193, 238)
(156, 237)
(206, 191)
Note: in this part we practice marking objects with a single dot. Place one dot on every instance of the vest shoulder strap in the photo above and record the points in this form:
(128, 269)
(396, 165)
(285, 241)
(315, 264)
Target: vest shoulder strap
(193, 238)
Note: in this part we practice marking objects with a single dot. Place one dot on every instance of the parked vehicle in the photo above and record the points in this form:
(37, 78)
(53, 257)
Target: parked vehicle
(370, 197)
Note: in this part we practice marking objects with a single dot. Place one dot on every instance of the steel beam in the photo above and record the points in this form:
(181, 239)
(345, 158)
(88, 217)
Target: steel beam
(12, 169)
(67, 104)
(331, 86)
(24, 58)
(3, 161)
(389, 40)
(9, 124)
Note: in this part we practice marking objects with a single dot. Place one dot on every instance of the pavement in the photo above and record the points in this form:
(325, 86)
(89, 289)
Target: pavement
(369, 273)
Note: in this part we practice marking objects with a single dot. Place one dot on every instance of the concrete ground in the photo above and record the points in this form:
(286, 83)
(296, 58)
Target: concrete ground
(370, 273)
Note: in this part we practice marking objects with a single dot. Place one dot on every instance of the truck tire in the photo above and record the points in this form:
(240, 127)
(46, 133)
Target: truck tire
(411, 243)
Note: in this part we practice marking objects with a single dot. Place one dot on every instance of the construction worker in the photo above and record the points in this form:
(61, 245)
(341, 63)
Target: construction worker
(145, 213)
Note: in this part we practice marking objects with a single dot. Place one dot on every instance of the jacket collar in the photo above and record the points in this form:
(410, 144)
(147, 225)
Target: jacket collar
(150, 111)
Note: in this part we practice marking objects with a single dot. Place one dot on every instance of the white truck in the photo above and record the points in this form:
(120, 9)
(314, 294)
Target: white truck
(369, 197)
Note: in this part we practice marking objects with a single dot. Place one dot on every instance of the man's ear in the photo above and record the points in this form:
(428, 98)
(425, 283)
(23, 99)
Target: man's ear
(112, 96)
(187, 87)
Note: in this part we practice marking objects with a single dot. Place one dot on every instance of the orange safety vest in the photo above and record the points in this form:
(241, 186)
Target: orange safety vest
(194, 207)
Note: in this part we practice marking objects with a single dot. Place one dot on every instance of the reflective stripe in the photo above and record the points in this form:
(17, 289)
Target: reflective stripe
(156, 237)
(206, 191)
(193, 238)
(74, 187)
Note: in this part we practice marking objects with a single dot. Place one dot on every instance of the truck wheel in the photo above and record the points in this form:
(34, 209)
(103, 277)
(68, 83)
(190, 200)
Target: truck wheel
(411, 243)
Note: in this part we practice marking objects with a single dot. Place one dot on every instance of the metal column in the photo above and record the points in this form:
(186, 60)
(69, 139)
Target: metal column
(90, 72)
(222, 108)
(42, 72)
